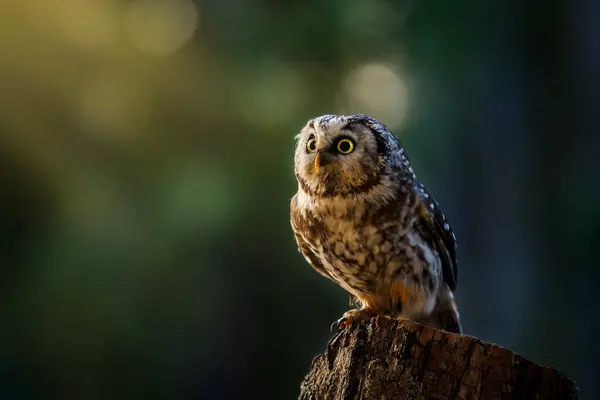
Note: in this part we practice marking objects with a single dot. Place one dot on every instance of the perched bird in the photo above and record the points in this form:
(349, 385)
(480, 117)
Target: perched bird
(361, 218)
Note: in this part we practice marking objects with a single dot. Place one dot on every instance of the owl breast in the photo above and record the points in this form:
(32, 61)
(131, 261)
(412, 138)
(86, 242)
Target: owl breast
(352, 254)
(365, 249)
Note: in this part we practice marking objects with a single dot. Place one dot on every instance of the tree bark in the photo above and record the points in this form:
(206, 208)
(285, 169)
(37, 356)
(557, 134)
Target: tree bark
(390, 359)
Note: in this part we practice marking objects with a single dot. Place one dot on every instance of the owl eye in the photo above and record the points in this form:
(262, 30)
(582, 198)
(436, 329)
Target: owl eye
(311, 145)
(345, 146)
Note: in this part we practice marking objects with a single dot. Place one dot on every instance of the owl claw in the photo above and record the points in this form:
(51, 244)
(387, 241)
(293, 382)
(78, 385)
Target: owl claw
(352, 316)
(340, 324)
(335, 326)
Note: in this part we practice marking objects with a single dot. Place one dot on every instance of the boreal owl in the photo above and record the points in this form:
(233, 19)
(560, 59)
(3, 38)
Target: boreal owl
(362, 219)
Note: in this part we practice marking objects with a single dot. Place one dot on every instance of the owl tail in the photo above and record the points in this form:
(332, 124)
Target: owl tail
(445, 314)
(446, 319)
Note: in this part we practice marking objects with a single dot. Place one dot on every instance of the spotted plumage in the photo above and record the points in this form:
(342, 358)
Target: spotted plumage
(362, 219)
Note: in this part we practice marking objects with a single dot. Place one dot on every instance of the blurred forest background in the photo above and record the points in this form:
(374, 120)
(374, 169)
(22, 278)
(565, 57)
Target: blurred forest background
(146, 151)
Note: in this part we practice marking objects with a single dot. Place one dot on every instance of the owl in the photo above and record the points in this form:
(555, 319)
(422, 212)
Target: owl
(362, 219)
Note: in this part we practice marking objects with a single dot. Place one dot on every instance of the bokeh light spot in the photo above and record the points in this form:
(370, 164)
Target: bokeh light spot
(161, 27)
(377, 89)
(89, 24)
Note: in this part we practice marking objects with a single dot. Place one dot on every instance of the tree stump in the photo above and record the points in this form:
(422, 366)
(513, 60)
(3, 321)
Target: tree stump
(390, 359)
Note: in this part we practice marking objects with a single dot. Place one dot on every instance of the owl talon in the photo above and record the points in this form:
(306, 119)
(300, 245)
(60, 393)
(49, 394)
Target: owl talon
(352, 316)
(340, 324)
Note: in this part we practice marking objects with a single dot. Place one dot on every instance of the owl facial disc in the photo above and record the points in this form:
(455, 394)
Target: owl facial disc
(343, 155)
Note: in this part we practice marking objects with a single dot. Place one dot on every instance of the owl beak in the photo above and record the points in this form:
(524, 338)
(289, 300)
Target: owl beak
(321, 159)
(317, 162)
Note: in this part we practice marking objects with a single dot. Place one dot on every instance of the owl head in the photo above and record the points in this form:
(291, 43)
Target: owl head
(339, 155)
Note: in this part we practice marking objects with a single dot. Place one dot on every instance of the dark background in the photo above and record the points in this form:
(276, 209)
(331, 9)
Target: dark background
(146, 151)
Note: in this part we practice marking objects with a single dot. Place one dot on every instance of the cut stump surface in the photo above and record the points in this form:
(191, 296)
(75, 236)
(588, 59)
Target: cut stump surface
(390, 359)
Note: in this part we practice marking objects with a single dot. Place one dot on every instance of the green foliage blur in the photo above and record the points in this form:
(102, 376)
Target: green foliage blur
(146, 150)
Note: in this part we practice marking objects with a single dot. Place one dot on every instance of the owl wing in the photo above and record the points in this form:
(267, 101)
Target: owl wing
(440, 231)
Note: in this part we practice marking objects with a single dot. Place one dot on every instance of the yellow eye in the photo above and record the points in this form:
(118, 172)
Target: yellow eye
(311, 145)
(345, 146)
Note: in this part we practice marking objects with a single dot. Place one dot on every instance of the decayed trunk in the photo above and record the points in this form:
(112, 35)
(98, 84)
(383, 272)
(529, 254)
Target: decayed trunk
(388, 359)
